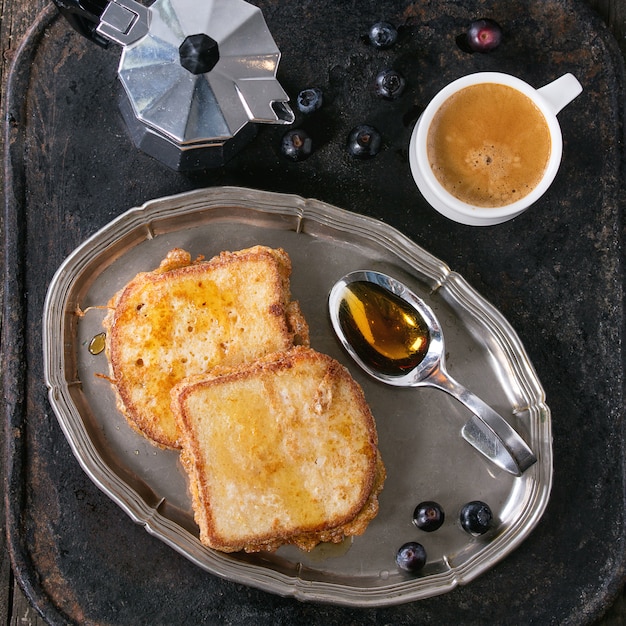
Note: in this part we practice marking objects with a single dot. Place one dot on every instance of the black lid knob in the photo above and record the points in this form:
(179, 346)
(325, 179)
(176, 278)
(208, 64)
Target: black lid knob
(199, 53)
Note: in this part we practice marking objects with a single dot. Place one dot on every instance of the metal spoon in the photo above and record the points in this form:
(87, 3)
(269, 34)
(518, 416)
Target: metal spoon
(395, 337)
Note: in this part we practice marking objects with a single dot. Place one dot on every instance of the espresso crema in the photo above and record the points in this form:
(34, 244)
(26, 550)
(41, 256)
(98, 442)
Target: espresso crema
(489, 145)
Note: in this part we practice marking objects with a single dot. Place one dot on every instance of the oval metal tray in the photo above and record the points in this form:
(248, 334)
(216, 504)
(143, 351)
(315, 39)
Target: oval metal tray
(419, 429)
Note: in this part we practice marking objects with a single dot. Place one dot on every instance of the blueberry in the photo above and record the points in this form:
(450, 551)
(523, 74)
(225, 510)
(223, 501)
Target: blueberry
(428, 516)
(382, 35)
(484, 35)
(476, 517)
(390, 84)
(309, 100)
(364, 142)
(411, 557)
(296, 144)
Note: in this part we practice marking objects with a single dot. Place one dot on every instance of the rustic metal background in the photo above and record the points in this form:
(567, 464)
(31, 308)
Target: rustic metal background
(556, 273)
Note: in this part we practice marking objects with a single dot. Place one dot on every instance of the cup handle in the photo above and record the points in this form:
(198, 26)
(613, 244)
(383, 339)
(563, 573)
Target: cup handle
(561, 91)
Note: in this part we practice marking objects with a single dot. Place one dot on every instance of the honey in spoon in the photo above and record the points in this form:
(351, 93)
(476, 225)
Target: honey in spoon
(384, 330)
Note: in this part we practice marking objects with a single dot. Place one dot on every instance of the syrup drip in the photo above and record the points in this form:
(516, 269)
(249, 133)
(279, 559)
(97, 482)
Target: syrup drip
(96, 345)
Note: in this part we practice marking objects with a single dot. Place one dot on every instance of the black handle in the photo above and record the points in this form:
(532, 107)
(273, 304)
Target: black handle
(84, 16)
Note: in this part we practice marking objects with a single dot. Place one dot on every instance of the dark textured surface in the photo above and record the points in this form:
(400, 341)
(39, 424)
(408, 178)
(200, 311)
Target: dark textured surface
(556, 274)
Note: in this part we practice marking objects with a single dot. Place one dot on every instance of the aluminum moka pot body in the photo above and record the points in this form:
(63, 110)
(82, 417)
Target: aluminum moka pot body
(198, 77)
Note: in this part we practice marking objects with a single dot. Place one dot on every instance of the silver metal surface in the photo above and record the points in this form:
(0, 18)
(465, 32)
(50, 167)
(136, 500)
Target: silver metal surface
(124, 21)
(193, 110)
(487, 431)
(417, 428)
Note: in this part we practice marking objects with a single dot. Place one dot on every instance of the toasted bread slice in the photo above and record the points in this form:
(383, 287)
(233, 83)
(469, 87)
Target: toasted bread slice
(186, 317)
(279, 451)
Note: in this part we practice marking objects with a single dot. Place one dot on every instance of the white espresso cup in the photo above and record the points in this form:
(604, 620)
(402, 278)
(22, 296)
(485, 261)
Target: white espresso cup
(549, 99)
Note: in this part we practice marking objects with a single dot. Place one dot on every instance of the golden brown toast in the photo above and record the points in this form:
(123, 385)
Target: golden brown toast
(279, 451)
(187, 317)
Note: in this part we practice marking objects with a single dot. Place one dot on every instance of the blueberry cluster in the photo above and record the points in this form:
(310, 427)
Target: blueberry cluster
(475, 518)
(365, 141)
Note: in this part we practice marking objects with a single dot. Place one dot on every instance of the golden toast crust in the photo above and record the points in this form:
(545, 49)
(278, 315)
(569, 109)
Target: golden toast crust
(279, 451)
(188, 316)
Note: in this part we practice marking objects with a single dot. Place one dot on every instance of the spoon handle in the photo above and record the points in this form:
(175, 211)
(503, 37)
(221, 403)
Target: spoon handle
(487, 431)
